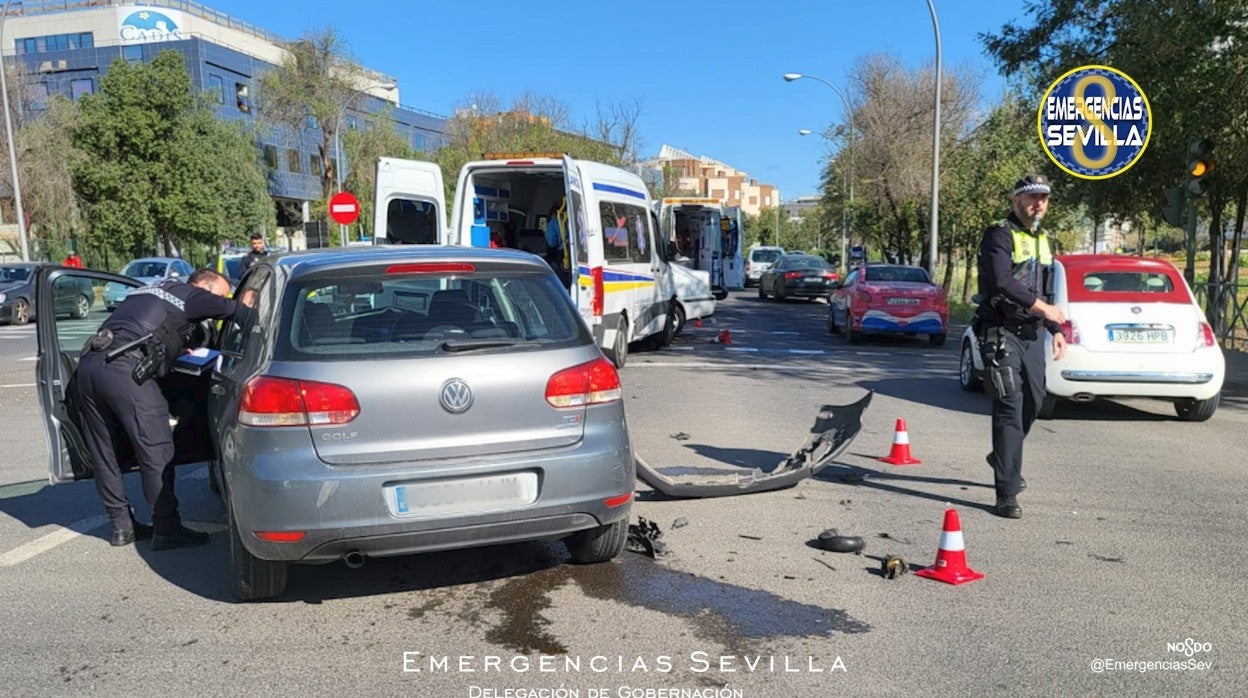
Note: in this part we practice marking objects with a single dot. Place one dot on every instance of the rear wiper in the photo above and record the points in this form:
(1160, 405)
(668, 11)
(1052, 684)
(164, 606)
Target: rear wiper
(468, 344)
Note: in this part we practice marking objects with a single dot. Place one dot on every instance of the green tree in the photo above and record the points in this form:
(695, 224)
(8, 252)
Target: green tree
(363, 148)
(1185, 56)
(308, 93)
(159, 171)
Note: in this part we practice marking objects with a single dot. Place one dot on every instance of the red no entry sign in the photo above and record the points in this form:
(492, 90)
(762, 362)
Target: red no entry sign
(344, 208)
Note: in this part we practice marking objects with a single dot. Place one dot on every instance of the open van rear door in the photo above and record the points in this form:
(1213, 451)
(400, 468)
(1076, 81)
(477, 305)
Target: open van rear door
(578, 232)
(734, 261)
(410, 203)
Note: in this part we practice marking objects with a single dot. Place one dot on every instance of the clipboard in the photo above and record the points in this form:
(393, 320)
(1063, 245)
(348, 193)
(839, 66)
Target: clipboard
(197, 362)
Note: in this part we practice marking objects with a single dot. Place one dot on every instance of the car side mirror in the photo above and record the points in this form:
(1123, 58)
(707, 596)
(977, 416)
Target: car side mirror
(175, 275)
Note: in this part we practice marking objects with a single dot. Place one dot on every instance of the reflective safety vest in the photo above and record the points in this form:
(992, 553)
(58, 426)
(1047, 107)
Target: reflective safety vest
(1033, 259)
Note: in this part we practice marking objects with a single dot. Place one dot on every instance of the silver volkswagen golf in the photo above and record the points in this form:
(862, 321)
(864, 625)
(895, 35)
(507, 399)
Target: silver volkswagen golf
(387, 401)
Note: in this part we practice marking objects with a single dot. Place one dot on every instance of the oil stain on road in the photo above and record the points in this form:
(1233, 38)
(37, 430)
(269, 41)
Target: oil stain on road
(721, 612)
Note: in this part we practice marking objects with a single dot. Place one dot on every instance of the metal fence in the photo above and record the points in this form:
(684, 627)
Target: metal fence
(1232, 327)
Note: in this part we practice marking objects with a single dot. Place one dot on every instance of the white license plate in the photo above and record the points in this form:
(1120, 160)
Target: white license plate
(460, 496)
(1135, 336)
(814, 279)
(903, 301)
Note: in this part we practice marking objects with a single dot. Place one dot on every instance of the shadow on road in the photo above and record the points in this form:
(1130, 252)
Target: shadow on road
(944, 393)
(882, 479)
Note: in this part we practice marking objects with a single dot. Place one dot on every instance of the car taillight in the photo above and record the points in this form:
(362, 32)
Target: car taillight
(793, 274)
(831, 276)
(431, 268)
(1206, 338)
(599, 300)
(285, 402)
(591, 383)
(1070, 332)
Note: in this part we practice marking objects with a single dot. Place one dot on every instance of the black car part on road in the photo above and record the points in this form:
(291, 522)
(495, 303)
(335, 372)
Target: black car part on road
(835, 427)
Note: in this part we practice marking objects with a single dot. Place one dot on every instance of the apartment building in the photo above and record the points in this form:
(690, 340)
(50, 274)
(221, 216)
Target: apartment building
(704, 176)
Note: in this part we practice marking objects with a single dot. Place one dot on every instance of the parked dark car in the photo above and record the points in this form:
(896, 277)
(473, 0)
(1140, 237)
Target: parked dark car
(17, 294)
(385, 401)
(799, 275)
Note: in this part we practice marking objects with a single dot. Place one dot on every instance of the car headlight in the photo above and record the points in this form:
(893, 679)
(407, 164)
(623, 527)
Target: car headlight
(3, 298)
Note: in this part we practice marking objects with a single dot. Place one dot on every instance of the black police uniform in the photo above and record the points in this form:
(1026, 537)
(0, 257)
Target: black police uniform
(122, 404)
(1015, 268)
(251, 258)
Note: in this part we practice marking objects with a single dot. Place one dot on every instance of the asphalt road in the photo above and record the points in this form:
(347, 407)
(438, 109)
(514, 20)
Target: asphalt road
(1126, 546)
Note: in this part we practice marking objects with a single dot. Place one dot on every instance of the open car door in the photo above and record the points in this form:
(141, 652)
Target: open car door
(69, 311)
(578, 242)
(409, 206)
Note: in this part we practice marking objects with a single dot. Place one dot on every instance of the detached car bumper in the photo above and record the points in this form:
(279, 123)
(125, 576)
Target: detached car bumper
(341, 509)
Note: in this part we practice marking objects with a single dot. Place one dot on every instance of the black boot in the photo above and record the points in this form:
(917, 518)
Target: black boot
(126, 536)
(1007, 507)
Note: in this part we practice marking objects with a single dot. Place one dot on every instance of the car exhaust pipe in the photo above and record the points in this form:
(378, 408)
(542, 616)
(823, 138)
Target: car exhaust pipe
(354, 559)
(1083, 397)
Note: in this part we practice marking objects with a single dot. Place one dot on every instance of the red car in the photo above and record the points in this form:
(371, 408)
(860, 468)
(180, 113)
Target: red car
(889, 298)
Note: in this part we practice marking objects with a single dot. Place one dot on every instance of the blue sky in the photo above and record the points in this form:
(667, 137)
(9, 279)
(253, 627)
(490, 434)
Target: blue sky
(707, 74)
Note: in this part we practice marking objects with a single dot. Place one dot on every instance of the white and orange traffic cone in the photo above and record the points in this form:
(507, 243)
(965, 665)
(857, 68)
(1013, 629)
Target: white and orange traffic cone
(697, 322)
(900, 455)
(950, 566)
(725, 337)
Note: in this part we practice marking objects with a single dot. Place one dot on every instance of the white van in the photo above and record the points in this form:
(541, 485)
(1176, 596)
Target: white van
(616, 273)
(708, 235)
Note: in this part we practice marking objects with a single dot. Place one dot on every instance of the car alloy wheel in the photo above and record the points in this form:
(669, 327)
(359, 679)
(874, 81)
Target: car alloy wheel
(21, 312)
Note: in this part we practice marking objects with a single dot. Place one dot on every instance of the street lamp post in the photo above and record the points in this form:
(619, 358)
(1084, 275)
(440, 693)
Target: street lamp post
(8, 125)
(845, 184)
(342, 158)
(931, 243)
(849, 111)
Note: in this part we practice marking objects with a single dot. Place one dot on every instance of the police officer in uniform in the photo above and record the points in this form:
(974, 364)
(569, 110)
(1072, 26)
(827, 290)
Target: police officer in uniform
(1015, 290)
(122, 402)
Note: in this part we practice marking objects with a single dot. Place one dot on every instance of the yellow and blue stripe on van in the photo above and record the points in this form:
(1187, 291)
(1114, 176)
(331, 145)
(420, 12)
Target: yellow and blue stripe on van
(615, 280)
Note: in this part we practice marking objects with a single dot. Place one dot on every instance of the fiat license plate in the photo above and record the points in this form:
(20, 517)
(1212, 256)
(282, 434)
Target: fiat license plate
(1140, 336)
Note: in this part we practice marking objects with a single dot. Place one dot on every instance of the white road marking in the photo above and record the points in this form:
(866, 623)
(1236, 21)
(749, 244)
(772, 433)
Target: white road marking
(742, 348)
(30, 358)
(807, 351)
(42, 545)
(17, 385)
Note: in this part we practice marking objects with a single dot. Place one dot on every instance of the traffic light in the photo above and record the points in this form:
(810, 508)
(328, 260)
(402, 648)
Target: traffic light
(1172, 206)
(1199, 165)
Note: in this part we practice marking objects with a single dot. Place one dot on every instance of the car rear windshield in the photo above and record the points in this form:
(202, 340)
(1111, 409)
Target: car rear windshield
(381, 315)
(896, 274)
(1126, 281)
(136, 270)
(764, 256)
(14, 273)
(805, 263)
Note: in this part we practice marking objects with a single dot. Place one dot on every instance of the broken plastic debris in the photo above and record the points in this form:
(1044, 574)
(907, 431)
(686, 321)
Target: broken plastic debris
(831, 540)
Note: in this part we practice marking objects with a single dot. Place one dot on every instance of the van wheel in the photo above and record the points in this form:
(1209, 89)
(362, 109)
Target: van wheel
(597, 544)
(664, 338)
(251, 577)
(618, 353)
(1190, 410)
(680, 318)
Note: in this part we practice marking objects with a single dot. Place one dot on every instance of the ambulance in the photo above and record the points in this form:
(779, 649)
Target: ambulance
(707, 236)
(608, 254)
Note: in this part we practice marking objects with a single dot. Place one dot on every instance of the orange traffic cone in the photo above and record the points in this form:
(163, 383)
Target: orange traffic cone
(725, 337)
(950, 566)
(900, 454)
(697, 322)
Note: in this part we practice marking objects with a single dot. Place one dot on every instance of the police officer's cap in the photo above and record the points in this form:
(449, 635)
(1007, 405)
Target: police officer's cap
(1031, 184)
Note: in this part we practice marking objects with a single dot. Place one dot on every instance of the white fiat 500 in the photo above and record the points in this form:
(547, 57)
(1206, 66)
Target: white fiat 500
(1133, 329)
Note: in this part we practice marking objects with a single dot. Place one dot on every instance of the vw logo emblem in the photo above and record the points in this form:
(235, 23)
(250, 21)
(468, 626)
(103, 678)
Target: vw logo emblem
(456, 396)
(1136, 310)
